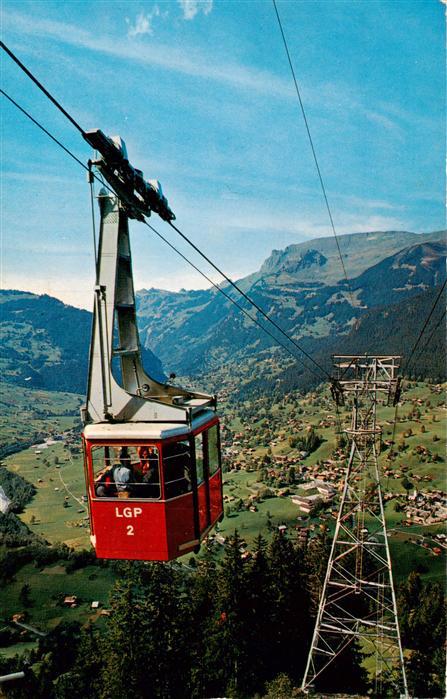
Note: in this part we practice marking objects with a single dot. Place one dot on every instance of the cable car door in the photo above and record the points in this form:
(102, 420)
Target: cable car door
(203, 491)
(209, 476)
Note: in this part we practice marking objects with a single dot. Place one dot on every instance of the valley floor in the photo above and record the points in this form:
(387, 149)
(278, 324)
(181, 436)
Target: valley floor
(267, 468)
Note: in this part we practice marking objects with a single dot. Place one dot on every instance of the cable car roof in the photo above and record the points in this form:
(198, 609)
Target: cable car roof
(145, 430)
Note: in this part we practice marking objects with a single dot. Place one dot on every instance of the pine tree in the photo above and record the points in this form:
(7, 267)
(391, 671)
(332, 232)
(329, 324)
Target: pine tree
(57, 653)
(346, 674)
(422, 622)
(260, 608)
(229, 641)
(317, 556)
(146, 644)
(123, 650)
(290, 628)
(88, 664)
(203, 599)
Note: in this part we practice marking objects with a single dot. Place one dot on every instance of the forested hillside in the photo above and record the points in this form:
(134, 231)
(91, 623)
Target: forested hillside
(239, 628)
(390, 329)
(45, 343)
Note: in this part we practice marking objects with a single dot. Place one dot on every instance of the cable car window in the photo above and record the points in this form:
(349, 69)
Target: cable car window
(177, 468)
(147, 472)
(199, 458)
(126, 472)
(213, 449)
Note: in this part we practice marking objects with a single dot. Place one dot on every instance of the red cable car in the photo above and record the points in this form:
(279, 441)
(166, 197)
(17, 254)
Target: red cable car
(153, 494)
(151, 450)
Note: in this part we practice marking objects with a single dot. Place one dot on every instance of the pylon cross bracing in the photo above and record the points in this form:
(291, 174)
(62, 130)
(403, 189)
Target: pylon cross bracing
(358, 602)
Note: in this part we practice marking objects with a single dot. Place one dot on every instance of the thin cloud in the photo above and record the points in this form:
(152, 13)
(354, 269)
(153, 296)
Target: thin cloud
(159, 55)
(382, 120)
(191, 8)
(143, 23)
(365, 203)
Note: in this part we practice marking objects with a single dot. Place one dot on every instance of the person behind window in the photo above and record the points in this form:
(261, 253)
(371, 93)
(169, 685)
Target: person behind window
(105, 487)
(122, 474)
(176, 469)
(148, 472)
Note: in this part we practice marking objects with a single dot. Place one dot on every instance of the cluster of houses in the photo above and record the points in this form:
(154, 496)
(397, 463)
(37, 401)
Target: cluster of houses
(426, 508)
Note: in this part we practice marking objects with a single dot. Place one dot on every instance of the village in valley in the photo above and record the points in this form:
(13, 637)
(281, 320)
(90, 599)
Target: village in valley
(293, 451)
(284, 463)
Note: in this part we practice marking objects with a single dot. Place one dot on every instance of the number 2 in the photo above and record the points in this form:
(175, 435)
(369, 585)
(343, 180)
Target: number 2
(130, 530)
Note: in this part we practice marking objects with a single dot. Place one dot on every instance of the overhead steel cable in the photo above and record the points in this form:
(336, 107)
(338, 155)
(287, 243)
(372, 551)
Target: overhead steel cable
(235, 286)
(314, 153)
(427, 320)
(216, 286)
(248, 298)
(435, 327)
(42, 128)
(230, 298)
(41, 87)
(56, 141)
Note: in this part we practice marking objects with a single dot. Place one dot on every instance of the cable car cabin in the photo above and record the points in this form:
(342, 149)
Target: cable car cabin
(154, 490)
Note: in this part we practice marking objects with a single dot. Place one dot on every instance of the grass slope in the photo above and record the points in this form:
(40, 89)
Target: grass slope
(28, 415)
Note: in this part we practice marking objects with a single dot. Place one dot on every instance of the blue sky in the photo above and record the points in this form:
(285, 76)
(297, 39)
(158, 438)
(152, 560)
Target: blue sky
(202, 94)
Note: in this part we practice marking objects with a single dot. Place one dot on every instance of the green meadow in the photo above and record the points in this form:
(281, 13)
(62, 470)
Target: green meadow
(27, 415)
(57, 511)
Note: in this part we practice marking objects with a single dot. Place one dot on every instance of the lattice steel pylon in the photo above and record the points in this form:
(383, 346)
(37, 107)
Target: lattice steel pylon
(358, 602)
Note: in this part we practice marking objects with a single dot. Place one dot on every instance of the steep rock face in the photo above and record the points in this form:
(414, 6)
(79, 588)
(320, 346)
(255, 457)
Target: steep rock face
(45, 343)
(310, 259)
(359, 250)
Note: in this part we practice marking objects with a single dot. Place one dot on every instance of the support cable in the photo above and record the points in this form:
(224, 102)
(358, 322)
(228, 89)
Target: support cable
(41, 87)
(91, 181)
(391, 456)
(233, 301)
(249, 299)
(393, 452)
(427, 320)
(42, 128)
(314, 153)
(425, 345)
(216, 286)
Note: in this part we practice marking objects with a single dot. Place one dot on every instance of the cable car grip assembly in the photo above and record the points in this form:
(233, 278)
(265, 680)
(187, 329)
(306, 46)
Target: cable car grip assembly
(139, 196)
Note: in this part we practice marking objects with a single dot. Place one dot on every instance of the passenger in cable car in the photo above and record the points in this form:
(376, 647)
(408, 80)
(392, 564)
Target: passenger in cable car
(148, 460)
(129, 472)
(123, 480)
(147, 473)
(105, 486)
(116, 479)
(123, 474)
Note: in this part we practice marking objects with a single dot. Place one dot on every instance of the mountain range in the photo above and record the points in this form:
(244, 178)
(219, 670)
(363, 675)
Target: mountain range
(302, 288)
(391, 278)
